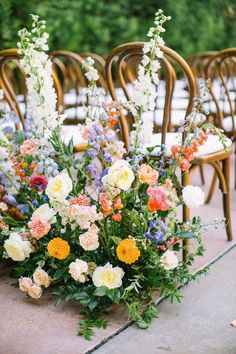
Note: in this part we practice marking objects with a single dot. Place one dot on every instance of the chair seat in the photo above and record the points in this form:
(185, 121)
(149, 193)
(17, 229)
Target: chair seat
(72, 131)
(212, 145)
(177, 116)
(76, 112)
(227, 124)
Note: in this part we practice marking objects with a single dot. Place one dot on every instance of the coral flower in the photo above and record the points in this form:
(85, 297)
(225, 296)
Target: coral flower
(58, 248)
(127, 251)
(117, 203)
(117, 217)
(38, 183)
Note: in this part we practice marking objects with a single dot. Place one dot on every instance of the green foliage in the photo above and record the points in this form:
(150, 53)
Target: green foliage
(99, 26)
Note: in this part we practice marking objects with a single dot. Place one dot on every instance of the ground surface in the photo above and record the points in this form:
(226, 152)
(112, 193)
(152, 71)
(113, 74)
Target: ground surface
(199, 325)
(37, 327)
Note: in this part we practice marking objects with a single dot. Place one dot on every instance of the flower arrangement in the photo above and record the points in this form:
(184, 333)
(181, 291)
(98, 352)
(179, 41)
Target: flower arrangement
(102, 226)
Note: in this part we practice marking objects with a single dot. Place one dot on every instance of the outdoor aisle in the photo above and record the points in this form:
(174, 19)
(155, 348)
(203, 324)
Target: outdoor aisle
(199, 325)
(52, 330)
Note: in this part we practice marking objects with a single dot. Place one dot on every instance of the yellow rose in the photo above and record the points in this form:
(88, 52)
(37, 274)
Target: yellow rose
(59, 187)
(108, 276)
(120, 175)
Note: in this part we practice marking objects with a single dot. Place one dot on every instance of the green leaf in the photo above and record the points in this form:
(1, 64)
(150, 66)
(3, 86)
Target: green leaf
(114, 295)
(101, 291)
(115, 239)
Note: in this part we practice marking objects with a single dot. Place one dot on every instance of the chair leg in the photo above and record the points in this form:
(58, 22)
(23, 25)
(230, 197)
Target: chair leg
(202, 174)
(212, 188)
(226, 199)
(186, 215)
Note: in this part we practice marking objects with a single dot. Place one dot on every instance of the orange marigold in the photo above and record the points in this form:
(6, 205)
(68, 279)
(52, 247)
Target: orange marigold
(127, 251)
(58, 248)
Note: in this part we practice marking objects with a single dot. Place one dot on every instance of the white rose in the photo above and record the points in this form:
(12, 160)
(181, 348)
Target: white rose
(46, 213)
(41, 277)
(35, 291)
(193, 197)
(77, 269)
(89, 241)
(16, 248)
(120, 175)
(59, 187)
(108, 276)
(24, 284)
(169, 260)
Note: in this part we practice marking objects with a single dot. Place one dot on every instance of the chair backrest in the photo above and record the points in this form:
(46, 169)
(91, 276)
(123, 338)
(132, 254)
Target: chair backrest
(198, 63)
(13, 83)
(115, 72)
(221, 70)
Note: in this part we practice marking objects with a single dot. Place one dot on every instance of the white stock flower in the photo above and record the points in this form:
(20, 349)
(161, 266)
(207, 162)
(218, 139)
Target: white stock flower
(46, 213)
(193, 196)
(119, 175)
(169, 260)
(77, 269)
(41, 277)
(16, 248)
(59, 187)
(108, 276)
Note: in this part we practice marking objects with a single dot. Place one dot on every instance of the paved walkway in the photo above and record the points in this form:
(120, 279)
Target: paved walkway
(199, 325)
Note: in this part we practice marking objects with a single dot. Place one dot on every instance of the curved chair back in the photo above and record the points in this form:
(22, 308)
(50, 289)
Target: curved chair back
(115, 72)
(221, 70)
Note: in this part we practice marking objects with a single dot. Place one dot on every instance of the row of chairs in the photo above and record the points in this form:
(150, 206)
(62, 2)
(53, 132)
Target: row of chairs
(178, 86)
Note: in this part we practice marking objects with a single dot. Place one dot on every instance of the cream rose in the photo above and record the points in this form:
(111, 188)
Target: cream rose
(77, 270)
(89, 241)
(35, 291)
(59, 187)
(24, 284)
(46, 213)
(120, 175)
(193, 196)
(108, 276)
(169, 260)
(41, 278)
(16, 248)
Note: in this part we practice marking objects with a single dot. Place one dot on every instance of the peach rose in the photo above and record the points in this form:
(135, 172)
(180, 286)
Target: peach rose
(24, 284)
(41, 278)
(147, 174)
(38, 228)
(35, 291)
(28, 147)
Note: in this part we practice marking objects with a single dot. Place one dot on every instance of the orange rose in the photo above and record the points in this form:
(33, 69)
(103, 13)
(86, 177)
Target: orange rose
(147, 174)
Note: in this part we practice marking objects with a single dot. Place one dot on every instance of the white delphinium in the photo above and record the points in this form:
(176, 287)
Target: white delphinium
(144, 93)
(94, 105)
(38, 68)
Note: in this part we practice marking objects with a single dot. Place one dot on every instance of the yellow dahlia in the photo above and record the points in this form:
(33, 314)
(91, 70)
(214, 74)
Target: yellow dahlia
(58, 248)
(127, 251)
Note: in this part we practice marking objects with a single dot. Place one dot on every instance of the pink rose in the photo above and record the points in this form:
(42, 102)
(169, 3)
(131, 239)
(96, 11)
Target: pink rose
(89, 240)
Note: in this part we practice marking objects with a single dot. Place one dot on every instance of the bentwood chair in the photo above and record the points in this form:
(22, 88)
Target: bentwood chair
(221, 70)
(17, 99)
(211, 153)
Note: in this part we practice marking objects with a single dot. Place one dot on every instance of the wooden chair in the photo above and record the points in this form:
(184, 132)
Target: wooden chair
(9, 65)
(221, 70)
(212, 153)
